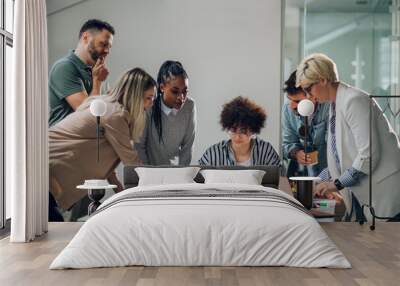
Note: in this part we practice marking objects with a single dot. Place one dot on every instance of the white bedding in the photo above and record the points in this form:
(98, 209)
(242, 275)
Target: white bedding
(223, 231)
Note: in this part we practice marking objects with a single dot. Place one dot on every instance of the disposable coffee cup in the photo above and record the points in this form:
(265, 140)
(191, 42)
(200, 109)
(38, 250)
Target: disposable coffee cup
(313, 157)
(304, 189)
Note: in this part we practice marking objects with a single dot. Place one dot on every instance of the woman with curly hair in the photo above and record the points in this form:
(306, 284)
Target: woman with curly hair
(243, 119)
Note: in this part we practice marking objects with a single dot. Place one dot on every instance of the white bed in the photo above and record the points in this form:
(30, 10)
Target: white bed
(249, 226)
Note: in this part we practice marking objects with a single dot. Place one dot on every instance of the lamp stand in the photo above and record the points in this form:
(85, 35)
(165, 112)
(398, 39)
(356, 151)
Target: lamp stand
(305, 138)
(369, 205)
(95, 195)
(98, 137)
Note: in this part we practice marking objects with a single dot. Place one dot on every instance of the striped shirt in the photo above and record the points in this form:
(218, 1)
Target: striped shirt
(221, 154)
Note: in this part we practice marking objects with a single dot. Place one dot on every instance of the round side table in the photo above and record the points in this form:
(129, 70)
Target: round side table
(95, 194)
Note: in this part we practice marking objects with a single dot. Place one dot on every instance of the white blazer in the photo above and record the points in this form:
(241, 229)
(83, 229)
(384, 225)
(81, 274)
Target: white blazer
(352, 143)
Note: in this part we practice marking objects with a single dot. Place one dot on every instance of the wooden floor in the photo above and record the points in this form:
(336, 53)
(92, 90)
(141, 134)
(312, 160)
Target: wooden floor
(374, 255)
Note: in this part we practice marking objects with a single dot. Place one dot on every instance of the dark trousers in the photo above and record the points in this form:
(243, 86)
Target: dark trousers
(80, 208)
(355, 209)
(54, 214)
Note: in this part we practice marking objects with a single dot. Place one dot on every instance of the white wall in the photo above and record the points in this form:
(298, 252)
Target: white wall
(228, 47)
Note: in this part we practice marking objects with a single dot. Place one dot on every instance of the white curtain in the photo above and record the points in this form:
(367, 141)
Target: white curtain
(26, 124)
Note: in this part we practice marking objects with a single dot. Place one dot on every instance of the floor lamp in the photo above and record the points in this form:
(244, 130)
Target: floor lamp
(304, 185)
(305, 109)
(98, 108)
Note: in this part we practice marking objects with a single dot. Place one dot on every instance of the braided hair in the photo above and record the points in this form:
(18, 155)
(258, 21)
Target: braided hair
(168, 70)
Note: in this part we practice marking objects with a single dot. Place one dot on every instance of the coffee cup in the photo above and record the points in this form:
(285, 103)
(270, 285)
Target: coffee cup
(313, 157)
(304, 187)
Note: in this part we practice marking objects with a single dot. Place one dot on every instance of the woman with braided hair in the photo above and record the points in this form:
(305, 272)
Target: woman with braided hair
(170, 129)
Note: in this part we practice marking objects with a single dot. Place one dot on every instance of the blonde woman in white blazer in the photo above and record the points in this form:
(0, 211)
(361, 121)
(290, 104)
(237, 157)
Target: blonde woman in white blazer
(348, 142)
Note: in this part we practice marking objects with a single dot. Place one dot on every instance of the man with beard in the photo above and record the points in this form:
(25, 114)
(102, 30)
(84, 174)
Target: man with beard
(72, 79)
(293, 131)
(81, 73)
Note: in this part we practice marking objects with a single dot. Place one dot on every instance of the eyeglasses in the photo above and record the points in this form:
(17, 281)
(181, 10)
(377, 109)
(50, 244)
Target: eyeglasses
(307, 89)
(240, 132)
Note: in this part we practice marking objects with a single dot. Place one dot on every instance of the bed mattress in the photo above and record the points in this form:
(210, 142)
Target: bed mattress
(201, 225)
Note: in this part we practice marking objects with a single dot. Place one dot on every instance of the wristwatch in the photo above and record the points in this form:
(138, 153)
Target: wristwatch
(338, 185)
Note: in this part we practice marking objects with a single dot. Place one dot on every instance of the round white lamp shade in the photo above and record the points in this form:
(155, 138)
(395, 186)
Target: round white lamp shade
(305, 107)
(98, 107)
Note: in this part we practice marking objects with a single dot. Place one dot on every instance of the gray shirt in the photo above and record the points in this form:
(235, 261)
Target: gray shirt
(179, 130)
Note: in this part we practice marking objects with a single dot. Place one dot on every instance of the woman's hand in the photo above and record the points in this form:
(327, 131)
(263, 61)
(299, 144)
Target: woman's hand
(119, 189)
(326, 190)
(112, 179)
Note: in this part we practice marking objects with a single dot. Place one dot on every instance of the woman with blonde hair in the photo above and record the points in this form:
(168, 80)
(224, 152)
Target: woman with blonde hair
(350, 160)
(73, 141)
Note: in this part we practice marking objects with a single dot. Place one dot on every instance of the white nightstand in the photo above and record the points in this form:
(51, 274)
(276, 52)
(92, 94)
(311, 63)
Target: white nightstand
(95, 194)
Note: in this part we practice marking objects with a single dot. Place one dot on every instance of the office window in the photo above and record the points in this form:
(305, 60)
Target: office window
(362, 37)
(355, 34)
(6, 66)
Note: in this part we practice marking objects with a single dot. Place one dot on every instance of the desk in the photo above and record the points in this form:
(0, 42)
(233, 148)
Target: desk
(318, 214)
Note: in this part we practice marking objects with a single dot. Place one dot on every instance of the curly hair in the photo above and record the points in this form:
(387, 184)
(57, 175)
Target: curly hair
(243, 113)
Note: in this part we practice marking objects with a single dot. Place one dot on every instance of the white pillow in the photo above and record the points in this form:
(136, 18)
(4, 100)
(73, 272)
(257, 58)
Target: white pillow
(249, 177)
(166, 176)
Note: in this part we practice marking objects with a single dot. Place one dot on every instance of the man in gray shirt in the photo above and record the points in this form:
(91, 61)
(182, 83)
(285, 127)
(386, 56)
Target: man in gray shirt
(171, 124)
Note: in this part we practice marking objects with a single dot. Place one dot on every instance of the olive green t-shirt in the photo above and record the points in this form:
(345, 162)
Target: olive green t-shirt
(68, 75)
